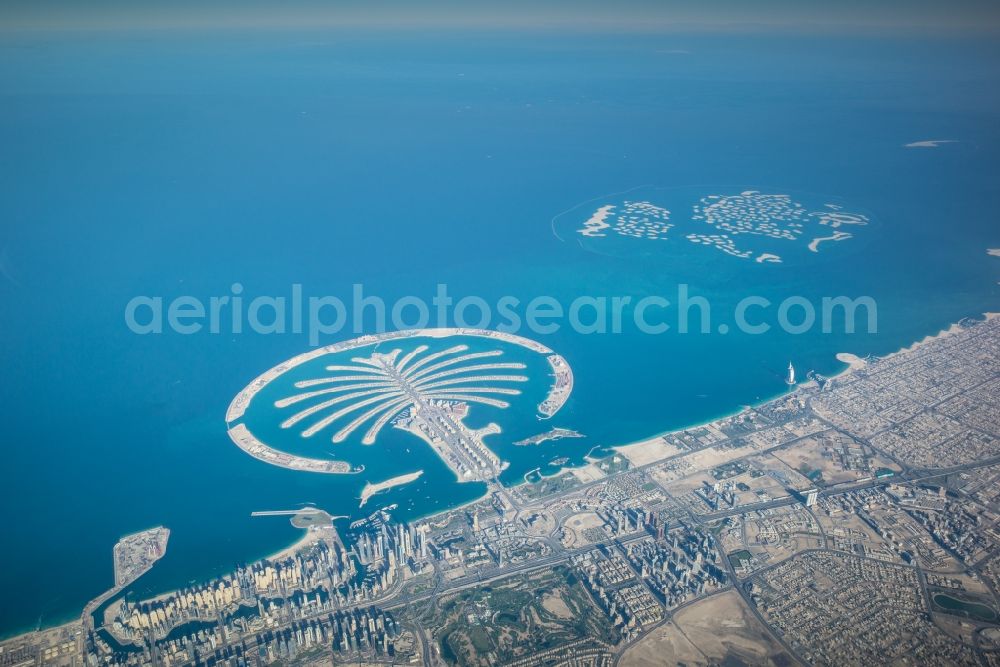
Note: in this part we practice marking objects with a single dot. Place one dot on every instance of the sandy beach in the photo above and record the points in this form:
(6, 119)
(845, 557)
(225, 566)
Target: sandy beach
(655, 448)
(310, 537)
(853, 361)
(944, 333)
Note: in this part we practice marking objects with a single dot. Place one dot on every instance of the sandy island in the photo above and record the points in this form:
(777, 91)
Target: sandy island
(929, 143)
(371, 489)
(836, 236)
(596, 225)
(770, 258)
(554, 434)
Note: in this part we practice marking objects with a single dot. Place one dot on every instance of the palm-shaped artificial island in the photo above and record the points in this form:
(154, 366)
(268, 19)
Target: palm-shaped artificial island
(426, 391)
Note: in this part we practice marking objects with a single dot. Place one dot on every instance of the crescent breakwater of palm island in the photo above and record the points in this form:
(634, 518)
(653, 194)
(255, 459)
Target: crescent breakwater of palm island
(852, 520)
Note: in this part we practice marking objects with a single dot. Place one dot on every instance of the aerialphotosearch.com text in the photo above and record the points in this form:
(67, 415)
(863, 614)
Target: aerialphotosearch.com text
(322, 317)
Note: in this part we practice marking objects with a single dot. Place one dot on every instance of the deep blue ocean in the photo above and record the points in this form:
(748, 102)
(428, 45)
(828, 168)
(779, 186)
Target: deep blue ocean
(174, 163)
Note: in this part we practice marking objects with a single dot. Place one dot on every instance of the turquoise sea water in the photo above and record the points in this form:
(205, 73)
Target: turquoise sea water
(179, 163)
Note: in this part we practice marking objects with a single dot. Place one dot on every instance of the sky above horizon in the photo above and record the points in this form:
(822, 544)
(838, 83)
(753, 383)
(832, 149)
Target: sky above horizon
(979, 15)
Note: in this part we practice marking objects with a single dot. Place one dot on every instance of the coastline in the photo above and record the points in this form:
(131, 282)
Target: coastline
(944, 333)
(310, 537)
(852, 363)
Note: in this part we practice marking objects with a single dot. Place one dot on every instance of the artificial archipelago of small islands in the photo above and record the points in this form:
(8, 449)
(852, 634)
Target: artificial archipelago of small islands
(854, 516)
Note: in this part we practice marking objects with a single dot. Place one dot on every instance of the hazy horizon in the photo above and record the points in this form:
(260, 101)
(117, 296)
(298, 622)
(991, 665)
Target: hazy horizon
(639, 15)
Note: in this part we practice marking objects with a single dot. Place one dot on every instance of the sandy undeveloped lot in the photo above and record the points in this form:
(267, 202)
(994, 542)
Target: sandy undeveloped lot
(555, 605)
(578, 526)
(809, 453)
(588, 473)
(648, 451)
(709, 632)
